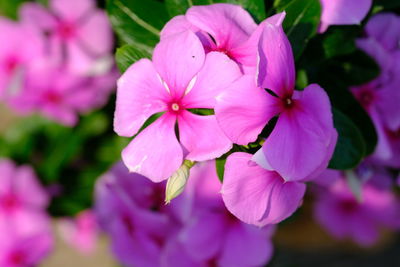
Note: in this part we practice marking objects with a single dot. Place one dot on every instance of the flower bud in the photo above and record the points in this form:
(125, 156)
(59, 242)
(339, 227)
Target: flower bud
(177, 182)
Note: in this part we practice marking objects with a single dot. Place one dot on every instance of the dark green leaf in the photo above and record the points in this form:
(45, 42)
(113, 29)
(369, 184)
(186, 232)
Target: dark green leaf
(9, 8)
(350, 148)
(301, 22)
(220, 165)
(340, 41)
(138, 22)
(128, 54)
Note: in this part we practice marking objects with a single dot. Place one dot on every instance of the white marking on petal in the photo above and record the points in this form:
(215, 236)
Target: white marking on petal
(138, 167)
(191, 84)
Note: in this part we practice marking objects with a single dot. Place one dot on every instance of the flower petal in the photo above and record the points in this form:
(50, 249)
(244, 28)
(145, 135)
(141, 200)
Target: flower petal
(155, 152)
(230, 25)
(176, 25)
(140, 94)
(178, 59)
(276, 62)
(258, 196)
(72, 9)
(384, 27)
(244, 109)
(211, 81)
(302, 137)
(202, 137)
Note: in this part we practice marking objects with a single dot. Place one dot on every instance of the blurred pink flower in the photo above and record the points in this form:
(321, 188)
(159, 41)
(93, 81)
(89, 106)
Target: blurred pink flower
(16, 55)
(303, 139)
(71, 29)
(258, 196)
(80, 232)
(180, 78)
(338, 211)
(343, 12)
(61, 95)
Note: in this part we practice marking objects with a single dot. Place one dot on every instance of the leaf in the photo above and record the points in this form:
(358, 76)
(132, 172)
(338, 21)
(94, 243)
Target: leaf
(220, 165)
(350, 148)
(10, 8)
(138, 22)
(128, 54)
(339, 40)
(301, 22)
(255, 7)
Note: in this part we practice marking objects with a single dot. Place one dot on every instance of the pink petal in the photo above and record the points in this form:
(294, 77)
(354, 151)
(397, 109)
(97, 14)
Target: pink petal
(211, 81)
(258, 196)
(384, 27)
(276, 63)
(155, 152)
(302, 137)
(35, 15)
(97, 42)
(178, 59)
(174, 255)
(230, 25)
(176, 25)
(140, 94)
(244, 109)
(343, 12)
(72, 9)
(246, 245)
(202, 137)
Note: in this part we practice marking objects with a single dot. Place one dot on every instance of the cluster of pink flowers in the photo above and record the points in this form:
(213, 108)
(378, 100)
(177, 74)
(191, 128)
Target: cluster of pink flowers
(195, 230)
(55, 61)
(217, 58)
(25, 228)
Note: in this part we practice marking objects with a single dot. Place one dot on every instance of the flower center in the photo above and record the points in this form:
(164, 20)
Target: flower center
(10, 64)
(66, 30)
(175, 106)
(288, 102)
(348, 206)
(9, 202)
(17, 258)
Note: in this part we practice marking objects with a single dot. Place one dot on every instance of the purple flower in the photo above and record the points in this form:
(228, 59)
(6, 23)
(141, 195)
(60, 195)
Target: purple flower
(71, 29)
(210, 234)
(303, 140)
(343, 12)
(338, 211)
(180, 78)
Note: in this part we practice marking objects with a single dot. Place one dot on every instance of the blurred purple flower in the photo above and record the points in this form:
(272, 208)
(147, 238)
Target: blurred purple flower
(343, 12)
(343, 216)
(180, 77)
(71, 30)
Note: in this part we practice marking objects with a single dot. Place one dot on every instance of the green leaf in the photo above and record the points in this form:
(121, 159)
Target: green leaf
(128, 54)
(10, 8)
(340, 40)
(301, 22)
(138, 22)
(220, 165)
(350, 147)
(255, 7)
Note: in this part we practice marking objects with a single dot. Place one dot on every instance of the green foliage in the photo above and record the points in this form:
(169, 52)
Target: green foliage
(301, 22)
(10, 8)
(128, 54)
(350, 148)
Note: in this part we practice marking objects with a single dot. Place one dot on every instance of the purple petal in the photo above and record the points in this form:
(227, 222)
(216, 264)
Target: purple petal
(244, 109)
(258, 196)
(384, 27)
(155, 152)
(140, 94)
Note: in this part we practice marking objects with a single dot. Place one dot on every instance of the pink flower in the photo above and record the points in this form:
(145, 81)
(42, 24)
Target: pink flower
(343, 12)
(81, 232)
(60, 95)
(223, 28)
(180, 78)
(71, 28)
(16, 55)
(303, 140)
(22, 198)
(337, 210)
(256, 195)
(210, 234)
